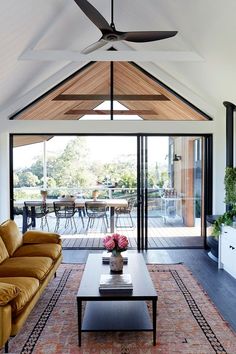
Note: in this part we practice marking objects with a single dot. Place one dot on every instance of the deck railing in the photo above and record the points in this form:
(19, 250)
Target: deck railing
(157, 206)
(33, 193)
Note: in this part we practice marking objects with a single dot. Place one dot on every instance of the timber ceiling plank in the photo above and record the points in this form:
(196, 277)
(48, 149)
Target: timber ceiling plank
(48, 109)
(174, 109)
(22, 140)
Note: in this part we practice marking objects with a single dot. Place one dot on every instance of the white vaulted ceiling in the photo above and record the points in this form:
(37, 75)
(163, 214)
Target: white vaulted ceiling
(40, 44)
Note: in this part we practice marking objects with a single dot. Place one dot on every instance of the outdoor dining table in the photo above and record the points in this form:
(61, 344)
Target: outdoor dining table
(79, 203)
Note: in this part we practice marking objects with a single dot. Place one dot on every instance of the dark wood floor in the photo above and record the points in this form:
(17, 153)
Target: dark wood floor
(220, 286)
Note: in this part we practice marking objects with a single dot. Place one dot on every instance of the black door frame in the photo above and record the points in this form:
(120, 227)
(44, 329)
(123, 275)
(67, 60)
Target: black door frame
(142, 185)
(142, 156)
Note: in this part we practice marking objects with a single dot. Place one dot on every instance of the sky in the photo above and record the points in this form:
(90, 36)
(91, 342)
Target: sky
(103, 148)
(106, 105)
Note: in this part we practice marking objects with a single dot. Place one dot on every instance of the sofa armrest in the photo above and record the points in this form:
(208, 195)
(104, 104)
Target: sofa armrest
(33, 236)
(8, 292)
(5, 324)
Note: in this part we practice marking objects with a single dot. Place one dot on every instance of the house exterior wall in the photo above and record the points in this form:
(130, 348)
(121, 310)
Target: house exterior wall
(184, 174)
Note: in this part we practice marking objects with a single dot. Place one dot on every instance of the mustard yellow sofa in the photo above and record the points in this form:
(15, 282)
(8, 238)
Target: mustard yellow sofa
(27, 264)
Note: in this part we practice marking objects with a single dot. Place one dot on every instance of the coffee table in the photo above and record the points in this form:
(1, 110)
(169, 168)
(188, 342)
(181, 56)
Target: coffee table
(115, 311)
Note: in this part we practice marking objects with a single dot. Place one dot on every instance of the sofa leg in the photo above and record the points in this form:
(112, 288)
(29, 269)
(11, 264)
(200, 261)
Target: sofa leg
(6, 347)
(55, 274)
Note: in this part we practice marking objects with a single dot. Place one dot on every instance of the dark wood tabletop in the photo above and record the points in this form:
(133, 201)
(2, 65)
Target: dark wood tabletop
(143, 287)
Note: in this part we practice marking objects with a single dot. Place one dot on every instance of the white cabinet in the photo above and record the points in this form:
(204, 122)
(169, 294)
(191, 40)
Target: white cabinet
(227, 250)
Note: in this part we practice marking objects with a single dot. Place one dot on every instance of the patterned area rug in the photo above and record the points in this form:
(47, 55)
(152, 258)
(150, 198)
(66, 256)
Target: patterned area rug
(187, 321)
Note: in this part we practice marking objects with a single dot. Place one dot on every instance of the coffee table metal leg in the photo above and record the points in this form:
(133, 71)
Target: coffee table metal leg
(154, 320)
(79, 309)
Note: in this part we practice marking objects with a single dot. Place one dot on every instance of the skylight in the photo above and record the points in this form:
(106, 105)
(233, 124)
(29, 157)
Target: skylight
(106, 106)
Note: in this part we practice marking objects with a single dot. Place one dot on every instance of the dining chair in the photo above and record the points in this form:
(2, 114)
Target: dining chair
(119, 211)
(96, 210)
(65, 210)
(82, 213)
(36, 210)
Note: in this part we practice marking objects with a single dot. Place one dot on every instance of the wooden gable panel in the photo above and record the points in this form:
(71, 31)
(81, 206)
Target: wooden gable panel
(129, 79)
(94, 76)
(95, 79)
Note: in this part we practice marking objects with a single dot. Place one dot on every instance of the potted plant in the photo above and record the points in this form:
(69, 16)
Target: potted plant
(228, 217)
(44, 194)
(116, 244)
(95, 194)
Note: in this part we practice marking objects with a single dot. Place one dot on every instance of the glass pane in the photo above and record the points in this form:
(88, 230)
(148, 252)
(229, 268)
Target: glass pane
(174, 191)
(78, 169)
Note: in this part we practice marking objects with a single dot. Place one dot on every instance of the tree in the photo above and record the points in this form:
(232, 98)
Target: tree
(37, 168)
(15, 179)
(28, 179)
(71, 168)
(127, 180)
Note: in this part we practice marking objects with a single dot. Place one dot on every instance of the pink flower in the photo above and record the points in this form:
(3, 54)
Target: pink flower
(109, 245)
(115, 242)
(123, 242)
(116, 237)
(106, 239)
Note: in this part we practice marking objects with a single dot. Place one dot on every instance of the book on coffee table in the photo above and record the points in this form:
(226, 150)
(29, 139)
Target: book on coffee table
(106, 257)
(118, 283)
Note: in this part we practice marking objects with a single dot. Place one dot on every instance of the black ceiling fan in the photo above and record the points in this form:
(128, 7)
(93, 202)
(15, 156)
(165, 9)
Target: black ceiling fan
(109, 32)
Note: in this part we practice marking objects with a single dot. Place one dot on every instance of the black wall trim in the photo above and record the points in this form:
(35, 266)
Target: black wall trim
(11, 176)
(146, 193)
(207, 184)
(138, 193)
(230, 108)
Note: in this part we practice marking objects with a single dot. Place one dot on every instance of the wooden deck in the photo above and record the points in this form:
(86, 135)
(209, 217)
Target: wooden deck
(161, 234)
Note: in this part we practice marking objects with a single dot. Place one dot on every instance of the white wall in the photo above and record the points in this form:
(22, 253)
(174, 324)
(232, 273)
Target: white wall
(4, 176)
(216, 127)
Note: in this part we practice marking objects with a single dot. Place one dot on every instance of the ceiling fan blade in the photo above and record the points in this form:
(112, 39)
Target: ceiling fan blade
(94, 46)
(92, 13)
(148, 36)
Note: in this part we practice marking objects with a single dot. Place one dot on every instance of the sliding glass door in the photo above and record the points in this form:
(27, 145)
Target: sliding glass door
(162, 179)
(170, 192)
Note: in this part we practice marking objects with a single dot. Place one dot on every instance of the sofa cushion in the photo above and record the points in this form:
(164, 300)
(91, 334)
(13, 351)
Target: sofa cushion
(7, 292)
(36, 267)
(34, 236)
(11, 236)
(26, 287)
(51, 250)
(3, 251)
